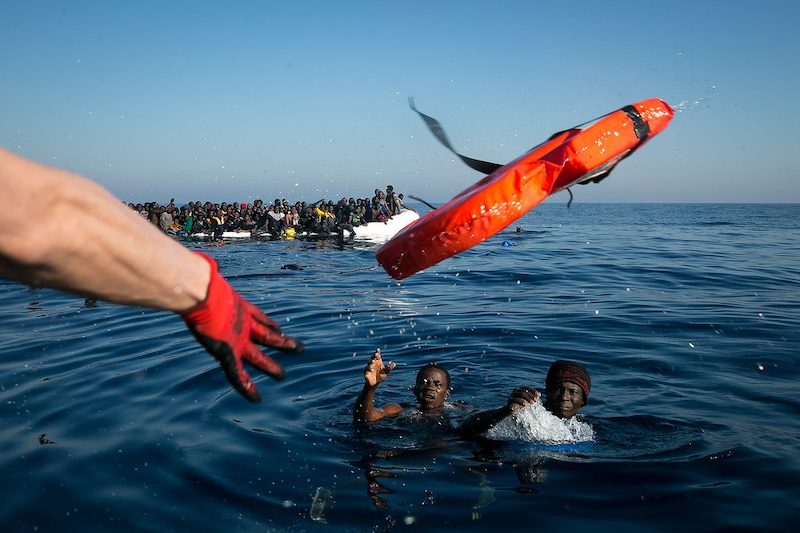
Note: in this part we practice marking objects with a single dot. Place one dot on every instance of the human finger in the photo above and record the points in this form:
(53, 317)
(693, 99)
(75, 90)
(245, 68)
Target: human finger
(266, 364)
(236, 375)
(258, 315)
(273, 338)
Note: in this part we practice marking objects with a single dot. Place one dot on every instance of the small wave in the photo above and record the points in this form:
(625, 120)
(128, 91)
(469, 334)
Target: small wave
(716, 223)
(534, 423)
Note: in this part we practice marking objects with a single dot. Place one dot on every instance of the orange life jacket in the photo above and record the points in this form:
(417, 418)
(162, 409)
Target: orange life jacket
(573, 156)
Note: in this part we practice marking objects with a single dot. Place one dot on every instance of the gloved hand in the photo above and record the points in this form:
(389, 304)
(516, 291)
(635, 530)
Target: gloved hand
(227, 325)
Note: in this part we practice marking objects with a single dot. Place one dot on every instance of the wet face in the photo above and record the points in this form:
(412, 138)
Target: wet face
(565, 399)
(432, 389)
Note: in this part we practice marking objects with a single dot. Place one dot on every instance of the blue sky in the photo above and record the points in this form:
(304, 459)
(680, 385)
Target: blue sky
(303, 100)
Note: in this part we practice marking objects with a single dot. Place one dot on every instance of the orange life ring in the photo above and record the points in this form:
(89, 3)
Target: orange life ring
(577, 155)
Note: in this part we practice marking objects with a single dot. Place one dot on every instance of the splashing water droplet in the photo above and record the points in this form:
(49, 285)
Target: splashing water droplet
(534, 423)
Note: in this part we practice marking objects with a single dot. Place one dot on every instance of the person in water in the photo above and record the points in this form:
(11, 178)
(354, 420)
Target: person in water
(432, 388)
(567, 387)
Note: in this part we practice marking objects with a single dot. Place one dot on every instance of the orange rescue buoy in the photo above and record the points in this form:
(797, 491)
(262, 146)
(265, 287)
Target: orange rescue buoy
(574, 156)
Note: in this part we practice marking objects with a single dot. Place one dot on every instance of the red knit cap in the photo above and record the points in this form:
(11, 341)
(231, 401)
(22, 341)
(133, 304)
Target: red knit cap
(569, 371)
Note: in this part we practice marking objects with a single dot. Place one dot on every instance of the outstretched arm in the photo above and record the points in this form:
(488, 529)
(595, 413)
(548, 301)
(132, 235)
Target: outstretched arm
(479, 423)
(66, 232)
(364, 409)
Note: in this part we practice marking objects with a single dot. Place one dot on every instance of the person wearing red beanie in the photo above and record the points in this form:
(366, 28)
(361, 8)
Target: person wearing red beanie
(567, 387)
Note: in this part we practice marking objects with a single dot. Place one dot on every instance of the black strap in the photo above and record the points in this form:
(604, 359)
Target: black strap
(417, 198)
(640, 127)
(484, 167)
(642, 131)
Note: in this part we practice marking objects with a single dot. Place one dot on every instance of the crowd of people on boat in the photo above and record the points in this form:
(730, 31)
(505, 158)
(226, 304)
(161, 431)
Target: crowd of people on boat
(276, 219)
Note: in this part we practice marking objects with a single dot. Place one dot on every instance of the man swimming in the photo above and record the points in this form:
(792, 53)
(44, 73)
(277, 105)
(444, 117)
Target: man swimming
(432, 388)
(567, 388)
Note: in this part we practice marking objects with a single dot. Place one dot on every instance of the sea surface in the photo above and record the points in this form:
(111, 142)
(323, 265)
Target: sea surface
(687, 317)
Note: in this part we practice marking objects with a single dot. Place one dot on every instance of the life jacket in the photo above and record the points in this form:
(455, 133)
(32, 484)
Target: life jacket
(569, 157)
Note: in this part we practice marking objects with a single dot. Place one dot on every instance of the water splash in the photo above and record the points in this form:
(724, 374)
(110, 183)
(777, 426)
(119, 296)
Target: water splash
(685, 105)
(534, 423)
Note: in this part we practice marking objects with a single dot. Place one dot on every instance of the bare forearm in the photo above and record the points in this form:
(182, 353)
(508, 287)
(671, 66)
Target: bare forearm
(62, 231)
(363, 411)
(478, 424)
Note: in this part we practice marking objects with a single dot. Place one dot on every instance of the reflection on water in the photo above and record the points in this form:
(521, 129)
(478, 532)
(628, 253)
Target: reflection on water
(686, 317)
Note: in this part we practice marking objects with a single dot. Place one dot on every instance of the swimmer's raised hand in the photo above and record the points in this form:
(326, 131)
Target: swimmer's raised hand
(376, 371)
(227, 326)
(522, 396)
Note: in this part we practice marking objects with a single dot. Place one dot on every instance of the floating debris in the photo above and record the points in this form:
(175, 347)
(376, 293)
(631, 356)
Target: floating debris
(321, 499)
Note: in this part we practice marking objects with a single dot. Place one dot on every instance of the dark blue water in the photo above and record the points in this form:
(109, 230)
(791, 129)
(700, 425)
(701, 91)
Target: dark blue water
(687, 316)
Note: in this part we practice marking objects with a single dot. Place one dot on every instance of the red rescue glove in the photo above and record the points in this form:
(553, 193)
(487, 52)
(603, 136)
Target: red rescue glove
(227, 325)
